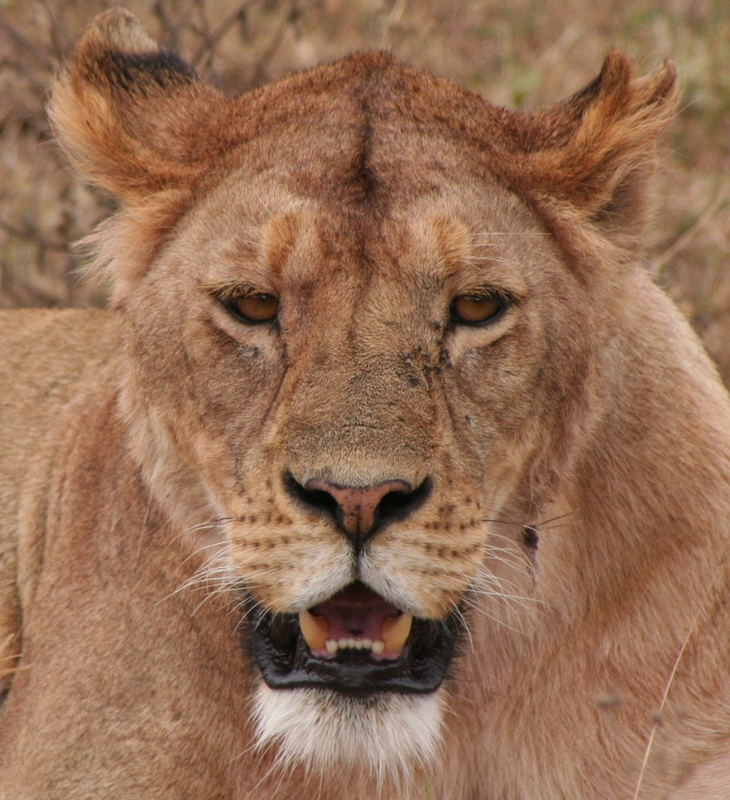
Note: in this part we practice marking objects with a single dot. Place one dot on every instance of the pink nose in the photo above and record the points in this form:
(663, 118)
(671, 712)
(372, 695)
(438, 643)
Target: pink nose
(358, 509)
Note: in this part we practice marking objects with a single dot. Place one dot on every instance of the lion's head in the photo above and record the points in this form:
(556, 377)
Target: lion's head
(370, 328)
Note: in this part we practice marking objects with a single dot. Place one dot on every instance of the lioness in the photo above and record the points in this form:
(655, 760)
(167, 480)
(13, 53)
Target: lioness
(389, 472)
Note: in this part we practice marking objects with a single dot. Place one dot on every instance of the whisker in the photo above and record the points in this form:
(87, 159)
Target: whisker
(213, 523)
(465, 625)
(512, 233)
(503, 521)
(505, 596)
(208, 598)
(544, 522)
(500, 591)
(483, 611)
(519, 565)
(198, 550)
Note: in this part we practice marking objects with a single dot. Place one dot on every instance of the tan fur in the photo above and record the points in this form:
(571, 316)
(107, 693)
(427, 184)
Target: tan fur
(144, 447)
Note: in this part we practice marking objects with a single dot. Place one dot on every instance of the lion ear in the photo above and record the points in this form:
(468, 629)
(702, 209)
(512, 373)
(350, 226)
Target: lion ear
(596, 150)
(128, 113)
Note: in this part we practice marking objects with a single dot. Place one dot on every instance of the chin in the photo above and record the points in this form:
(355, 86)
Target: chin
(385, 737)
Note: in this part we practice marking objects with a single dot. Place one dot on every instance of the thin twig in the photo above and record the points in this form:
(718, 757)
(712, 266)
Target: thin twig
(393, 20)
(54, 27)
(32, 235)
(169, 29)
(25, 43)
(709, 211)
(211, 39)
(274, 42)
(672, 674)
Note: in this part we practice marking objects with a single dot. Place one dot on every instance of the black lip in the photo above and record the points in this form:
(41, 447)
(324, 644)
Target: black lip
(285, 661)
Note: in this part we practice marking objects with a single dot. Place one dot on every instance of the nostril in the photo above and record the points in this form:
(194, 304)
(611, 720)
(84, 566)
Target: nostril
(399, 504)
(360, 511)
(318, 499)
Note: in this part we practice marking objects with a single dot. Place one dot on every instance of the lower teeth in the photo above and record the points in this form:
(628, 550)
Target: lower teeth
(333, 647)
(395, 634)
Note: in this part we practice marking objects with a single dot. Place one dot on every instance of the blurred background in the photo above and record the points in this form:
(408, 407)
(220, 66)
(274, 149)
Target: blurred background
(524, 54)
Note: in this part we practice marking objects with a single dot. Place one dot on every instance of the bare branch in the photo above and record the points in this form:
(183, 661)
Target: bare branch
(33, 235)
(211, 39)
(24, 43)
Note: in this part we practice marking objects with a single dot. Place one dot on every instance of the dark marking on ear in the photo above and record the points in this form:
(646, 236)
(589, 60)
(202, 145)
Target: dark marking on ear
(584, 96)
(136, 72)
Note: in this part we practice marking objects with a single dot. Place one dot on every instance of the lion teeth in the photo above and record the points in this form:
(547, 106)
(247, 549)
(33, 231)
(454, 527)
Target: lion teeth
(314, 630)
(395, 632)
(332, 646)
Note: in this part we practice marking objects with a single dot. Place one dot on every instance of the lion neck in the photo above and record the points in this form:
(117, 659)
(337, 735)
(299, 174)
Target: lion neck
(631, 565)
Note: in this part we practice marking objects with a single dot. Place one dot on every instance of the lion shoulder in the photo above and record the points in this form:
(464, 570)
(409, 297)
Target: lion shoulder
(45, 357)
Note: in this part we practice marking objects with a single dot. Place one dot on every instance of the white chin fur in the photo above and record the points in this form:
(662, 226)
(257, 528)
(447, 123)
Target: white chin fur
(383, 736)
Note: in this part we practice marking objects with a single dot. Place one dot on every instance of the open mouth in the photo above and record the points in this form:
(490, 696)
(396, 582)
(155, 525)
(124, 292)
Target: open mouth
(356, 642)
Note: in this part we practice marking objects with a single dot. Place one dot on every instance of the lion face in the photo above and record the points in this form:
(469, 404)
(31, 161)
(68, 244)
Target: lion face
(364, 373)
(363, 441)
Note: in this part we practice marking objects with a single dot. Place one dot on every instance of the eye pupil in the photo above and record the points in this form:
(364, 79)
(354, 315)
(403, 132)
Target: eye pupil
(473, 309)
(259, 307)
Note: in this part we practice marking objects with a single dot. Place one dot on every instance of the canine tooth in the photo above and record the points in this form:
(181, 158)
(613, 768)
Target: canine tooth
(366, 644)
(314, 630)
(395, 631)
(377, 647)
(332, 646)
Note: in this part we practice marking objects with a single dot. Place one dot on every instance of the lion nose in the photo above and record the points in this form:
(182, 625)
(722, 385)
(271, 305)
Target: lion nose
(360, 511)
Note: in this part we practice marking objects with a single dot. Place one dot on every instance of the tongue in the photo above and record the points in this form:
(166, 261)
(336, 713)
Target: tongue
(356, 613)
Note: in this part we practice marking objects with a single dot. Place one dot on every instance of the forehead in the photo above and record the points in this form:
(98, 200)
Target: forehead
(355, 128)
(260, 230)
(367, 173)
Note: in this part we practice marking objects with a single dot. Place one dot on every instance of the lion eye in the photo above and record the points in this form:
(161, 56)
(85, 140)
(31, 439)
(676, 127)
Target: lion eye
(254, 308)
(474, 309)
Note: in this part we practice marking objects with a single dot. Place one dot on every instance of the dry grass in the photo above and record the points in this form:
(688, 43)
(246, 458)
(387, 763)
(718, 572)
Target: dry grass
(527, 52)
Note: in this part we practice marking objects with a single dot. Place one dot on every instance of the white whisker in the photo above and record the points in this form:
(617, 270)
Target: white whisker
(512, 233)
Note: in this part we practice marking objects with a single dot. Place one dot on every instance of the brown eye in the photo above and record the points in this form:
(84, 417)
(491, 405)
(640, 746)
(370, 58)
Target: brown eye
(474, 309)
(254, 308)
